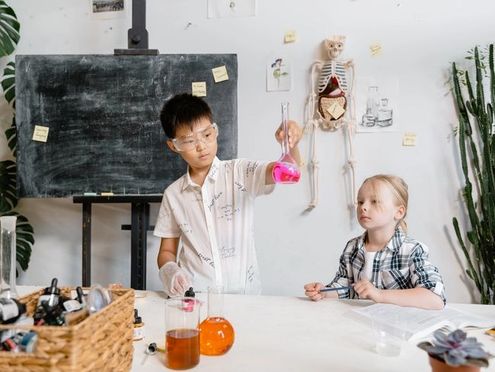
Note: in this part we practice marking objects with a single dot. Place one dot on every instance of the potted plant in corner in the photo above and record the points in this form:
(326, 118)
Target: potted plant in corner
(477, 152)
(9, 37)
(455, 352)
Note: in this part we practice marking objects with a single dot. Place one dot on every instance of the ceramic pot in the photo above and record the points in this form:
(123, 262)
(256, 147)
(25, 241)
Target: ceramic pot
(439, 366)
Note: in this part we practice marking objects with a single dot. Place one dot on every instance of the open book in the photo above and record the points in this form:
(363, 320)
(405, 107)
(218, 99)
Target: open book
(415, 324)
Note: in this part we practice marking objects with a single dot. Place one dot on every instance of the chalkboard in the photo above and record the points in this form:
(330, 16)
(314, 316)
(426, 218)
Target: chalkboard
(102, 112)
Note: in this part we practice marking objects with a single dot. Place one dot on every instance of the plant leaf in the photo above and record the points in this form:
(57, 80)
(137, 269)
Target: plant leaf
(9, 29)
(11, 134)
(8, 83)
(8, 195)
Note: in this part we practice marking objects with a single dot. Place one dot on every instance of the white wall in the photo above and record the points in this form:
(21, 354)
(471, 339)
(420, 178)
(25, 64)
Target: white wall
(419, 38)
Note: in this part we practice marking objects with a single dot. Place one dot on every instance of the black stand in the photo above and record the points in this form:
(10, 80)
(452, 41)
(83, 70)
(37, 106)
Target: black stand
(137, 42)
(137, 36)
(140, 214)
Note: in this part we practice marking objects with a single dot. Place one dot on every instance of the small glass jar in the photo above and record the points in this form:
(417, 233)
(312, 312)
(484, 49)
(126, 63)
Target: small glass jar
(138, 332)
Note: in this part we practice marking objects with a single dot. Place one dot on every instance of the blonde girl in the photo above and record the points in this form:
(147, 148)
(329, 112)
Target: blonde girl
(384, 264)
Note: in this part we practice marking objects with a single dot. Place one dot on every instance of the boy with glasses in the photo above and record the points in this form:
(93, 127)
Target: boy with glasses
(208, 212)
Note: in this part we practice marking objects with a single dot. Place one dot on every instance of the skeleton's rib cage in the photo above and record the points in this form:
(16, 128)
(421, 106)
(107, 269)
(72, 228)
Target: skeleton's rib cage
(336, 69)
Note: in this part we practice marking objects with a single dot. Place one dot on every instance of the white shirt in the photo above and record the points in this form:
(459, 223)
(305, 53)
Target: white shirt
(367, 273)
(216, 224)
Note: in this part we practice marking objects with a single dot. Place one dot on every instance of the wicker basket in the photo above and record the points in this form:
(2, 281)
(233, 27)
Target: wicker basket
(101, 342)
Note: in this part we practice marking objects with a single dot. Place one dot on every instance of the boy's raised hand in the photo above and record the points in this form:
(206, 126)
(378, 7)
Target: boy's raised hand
(295, 133)
(366, 290)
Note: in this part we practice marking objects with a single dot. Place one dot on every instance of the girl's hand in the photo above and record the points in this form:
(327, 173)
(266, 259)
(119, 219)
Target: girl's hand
(312, 290)
(366, 290)
(295, 133)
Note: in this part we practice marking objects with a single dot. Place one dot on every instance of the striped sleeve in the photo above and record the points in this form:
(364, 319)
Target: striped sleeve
(423, 273)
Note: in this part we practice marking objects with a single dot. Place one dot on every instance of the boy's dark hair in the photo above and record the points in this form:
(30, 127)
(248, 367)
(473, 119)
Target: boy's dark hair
(183, 110)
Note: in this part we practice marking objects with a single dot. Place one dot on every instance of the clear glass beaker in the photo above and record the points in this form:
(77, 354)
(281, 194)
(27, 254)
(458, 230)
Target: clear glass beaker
(285, 169)
(217, 334)
(384, 118)
(182, 332)
(370, 117)
(8, 257)
(372, 102)
(388, 334)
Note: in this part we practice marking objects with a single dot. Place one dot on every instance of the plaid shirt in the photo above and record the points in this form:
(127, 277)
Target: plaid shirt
(402, 264)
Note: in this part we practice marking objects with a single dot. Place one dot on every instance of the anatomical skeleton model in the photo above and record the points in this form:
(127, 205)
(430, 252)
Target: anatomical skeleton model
(331, 106)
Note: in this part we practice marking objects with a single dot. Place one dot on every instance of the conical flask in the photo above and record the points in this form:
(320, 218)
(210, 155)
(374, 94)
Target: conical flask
(8, 257)
(285, 169)
(216, 333)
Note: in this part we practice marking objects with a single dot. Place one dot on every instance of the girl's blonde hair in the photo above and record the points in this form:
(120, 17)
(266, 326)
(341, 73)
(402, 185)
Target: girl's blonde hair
(399, 189)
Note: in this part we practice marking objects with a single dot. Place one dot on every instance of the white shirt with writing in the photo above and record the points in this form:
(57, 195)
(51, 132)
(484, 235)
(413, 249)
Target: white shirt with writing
(215, 223)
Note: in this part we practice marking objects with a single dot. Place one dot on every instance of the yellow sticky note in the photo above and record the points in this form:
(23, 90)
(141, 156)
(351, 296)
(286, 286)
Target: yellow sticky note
(409, 139)
(40, 133)
(220, 74)
(199, 88)
(107, 193)
(290, 37)
(375, 49)
(336, 110)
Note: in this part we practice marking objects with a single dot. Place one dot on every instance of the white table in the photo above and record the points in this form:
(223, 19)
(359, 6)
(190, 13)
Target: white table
(289, 334)
(292, 334)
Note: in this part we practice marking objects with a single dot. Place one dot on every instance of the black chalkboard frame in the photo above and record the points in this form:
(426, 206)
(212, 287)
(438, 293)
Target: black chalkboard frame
(102, 112)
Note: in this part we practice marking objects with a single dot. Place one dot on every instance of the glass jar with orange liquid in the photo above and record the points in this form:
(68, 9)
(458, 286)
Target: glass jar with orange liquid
(182, 332)
(216, 333)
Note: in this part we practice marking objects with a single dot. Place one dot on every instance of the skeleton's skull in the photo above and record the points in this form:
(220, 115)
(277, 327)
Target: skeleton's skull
(334, 46)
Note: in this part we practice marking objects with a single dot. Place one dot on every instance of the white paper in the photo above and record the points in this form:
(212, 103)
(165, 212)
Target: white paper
(278, 74)
(377, 108)
(416, 323)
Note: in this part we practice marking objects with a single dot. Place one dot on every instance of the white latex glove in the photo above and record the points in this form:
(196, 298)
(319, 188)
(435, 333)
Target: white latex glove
(175, 280)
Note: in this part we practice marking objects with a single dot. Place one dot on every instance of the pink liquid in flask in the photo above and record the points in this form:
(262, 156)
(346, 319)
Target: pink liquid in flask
(285, 172)
(285, 169)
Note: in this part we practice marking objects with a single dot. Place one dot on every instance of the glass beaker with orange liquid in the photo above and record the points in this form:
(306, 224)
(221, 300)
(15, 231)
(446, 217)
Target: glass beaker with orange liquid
(182, 332)
(285, 169)
(217, 334)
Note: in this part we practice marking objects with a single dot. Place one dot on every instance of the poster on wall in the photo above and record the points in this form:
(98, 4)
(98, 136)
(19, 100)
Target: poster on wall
(278, 74)
(107, 9)
(376, 109)
(231, 8)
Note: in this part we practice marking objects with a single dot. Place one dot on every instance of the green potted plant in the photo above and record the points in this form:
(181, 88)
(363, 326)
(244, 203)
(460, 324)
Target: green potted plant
(455, 352)
(9, 37)
(477, 154)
